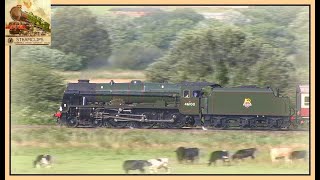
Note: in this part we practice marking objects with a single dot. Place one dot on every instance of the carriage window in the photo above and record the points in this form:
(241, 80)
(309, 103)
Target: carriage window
(196, 93)
(306, 101)
(186, 93)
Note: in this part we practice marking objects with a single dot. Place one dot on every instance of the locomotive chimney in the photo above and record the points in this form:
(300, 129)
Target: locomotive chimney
(83, 81)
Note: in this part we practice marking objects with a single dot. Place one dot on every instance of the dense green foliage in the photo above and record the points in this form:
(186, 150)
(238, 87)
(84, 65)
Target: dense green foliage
(35, 93)
(46, 56)
(225, 55)
(158, 28)
(75, 30)
(134, 56)
(271, 23)
(148, 36)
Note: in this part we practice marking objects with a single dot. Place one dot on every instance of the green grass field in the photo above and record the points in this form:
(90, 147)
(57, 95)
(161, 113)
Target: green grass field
(102, 151)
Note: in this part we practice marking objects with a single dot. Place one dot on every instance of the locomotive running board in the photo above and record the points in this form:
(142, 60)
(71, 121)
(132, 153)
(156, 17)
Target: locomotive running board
(117, 118)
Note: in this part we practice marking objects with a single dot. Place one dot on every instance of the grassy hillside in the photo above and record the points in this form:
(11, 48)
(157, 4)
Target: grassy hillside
(102, 151)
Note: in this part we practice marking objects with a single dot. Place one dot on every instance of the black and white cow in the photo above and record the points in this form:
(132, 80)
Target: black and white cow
(158, 164)
(219, 155)
(43, 161)
(187, 154)
(298, 155)
(244, 153)
(135, 165)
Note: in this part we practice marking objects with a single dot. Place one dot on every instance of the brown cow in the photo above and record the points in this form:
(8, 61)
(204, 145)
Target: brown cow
(278, 153)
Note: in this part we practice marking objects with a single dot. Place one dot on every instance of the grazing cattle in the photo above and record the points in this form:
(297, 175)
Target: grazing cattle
(135, 165)
(158, 164)
(278, 153)
(180, 153)
(298, 155)
(187, 154)
(219, 155)
(244, 153)
(43, 161)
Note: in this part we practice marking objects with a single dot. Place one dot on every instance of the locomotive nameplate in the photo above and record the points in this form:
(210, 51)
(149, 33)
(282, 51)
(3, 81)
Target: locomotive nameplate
(189, 105)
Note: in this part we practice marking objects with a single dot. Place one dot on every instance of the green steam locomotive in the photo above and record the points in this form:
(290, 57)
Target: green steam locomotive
(140, 104)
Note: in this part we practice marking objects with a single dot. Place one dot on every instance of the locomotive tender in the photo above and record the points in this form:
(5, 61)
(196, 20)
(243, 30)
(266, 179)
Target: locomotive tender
(140, 104)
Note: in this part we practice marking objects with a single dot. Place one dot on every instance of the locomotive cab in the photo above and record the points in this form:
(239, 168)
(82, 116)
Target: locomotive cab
(193, 96)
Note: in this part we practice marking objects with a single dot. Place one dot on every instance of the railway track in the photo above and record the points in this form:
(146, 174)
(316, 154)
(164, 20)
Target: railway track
(191, 129)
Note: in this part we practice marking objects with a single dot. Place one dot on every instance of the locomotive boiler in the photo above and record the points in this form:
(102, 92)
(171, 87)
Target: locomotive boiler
(140, 104)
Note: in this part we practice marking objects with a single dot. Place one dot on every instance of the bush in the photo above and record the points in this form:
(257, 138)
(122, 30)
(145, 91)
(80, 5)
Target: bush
(134, 56)
(36, 92)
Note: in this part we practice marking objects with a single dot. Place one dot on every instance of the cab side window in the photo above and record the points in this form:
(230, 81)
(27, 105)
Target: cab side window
(186, 93)
(196, 93)
(306, 100)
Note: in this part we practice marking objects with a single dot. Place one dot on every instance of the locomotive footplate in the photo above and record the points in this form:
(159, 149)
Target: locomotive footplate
(119, 118)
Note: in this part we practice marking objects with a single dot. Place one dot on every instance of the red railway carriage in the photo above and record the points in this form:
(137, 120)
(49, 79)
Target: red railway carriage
(302, 103)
